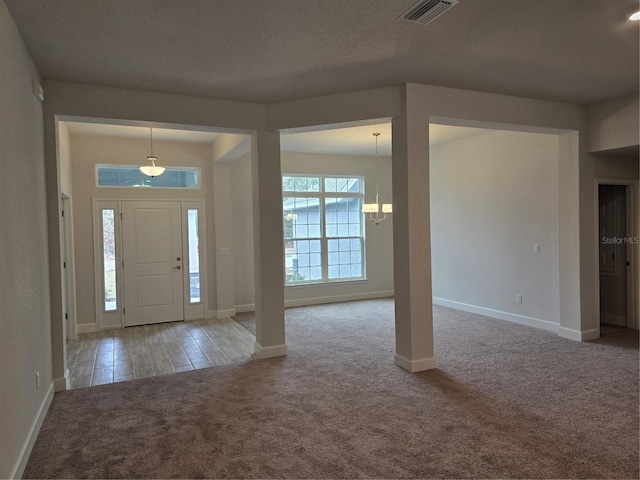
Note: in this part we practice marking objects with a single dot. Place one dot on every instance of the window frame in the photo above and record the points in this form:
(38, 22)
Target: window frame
(191, 262)
(322, 195)
(98, 166)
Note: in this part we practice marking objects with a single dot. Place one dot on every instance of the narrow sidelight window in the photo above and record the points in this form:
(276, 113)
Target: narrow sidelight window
(194, 255)
(109, 260)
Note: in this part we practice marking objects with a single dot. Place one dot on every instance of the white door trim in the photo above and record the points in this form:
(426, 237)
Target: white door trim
(69, 272)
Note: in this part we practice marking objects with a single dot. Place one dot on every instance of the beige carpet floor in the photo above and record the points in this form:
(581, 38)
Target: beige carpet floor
(506, 401)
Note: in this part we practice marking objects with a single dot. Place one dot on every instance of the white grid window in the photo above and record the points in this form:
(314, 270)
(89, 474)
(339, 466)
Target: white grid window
(323, 228)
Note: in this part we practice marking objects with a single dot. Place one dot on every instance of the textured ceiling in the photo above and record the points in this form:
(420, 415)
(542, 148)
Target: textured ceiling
(579, 51)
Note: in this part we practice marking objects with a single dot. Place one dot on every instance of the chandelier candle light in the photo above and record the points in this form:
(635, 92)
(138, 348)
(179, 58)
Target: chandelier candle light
(372, 211)
(151, 169)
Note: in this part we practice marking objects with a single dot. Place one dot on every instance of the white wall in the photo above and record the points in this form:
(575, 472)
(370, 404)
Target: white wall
(86, 152)
(379, 239)
(493, 197)
(25, 318)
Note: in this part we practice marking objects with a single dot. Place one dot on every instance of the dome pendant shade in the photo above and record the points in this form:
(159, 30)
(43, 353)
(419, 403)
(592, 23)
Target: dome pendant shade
(151, 169)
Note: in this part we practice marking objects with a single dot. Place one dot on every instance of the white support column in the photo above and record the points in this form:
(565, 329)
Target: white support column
(569, 240)
(412, 242)
(268, 244)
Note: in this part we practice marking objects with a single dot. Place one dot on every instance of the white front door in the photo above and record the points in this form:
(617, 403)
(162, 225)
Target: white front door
(152, 254)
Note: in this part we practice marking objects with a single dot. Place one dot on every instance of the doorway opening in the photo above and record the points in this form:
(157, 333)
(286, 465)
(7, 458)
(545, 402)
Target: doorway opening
(617, 256)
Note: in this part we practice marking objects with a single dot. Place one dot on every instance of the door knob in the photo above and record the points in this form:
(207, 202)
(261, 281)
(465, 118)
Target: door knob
(178, 259)
(177, 268)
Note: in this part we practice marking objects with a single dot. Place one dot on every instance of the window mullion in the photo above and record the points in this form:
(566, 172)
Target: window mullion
(323, 243)
(342, 205)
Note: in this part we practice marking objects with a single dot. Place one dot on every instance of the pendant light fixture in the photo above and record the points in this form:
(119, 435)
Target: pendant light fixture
(372, 211)
(151, 169)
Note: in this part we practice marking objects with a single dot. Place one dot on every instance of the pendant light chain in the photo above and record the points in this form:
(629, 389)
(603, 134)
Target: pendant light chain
(151, 169)
(377, 192)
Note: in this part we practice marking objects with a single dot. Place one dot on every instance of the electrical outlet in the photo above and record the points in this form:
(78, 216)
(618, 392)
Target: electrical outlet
(37, 380)
(536, 248)
(519, 298)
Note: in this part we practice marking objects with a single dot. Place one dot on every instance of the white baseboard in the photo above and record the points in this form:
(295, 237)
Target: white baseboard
(62, 383)
(214, 314)
(86, 328)
(414, 365)
(226, 313)
(249, 307)
(489, 312)
(577, 335)
(304, 302)
(25, 451)
(620, 320)
(270, 352)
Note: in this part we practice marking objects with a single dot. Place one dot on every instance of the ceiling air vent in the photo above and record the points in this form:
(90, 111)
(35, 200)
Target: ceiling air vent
(426, 11)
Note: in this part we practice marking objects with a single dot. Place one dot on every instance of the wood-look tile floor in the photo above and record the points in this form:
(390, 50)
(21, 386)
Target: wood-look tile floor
(135, 352)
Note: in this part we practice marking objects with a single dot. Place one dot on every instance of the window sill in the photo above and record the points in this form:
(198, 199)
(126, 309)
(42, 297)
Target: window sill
(328, 283)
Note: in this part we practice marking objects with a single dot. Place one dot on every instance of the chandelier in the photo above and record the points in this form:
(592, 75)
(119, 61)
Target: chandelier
(372, 211)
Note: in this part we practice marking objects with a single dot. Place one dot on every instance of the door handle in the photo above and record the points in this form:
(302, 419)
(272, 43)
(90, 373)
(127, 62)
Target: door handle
(177, 268)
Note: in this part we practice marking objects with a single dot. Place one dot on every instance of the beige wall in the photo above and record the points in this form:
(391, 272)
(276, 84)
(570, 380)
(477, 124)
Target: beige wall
(25, 319)
(86, 152)
(613, 124)
(64, 152)
(241, 206)
(494, 196)
(379, 239)
(613, 166)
